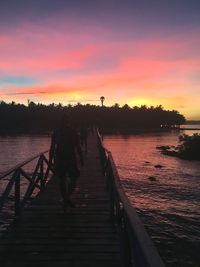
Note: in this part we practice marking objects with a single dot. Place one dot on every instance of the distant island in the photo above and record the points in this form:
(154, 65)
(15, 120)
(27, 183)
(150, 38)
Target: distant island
(43, 118)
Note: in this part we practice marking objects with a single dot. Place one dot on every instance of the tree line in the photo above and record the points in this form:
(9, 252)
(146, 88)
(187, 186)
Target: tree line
(39, 118)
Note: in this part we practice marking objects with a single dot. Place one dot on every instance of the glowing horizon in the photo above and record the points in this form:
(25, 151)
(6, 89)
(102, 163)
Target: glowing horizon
(69, 52)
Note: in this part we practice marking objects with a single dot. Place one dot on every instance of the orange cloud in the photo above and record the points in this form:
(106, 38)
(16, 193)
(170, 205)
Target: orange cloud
(133, 71)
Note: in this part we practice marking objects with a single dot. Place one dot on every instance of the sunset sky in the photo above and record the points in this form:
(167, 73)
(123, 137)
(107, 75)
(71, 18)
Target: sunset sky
(130, 51)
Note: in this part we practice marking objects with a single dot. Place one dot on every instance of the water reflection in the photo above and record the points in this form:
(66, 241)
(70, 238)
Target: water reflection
(169, 204)
(16, 149)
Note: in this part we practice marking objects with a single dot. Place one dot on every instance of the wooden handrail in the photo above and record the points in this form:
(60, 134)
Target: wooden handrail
(136, 246)
(6, 173)
(38, 176)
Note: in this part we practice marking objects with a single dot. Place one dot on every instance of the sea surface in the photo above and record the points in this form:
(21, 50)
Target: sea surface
(168, 204)
(15, 149)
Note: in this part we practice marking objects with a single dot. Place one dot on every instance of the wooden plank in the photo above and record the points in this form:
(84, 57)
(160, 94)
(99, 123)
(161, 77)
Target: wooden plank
(47, 235)
(70, 263)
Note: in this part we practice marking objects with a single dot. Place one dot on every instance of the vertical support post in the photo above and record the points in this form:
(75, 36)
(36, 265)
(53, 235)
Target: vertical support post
(112, 199)
(42, 182)
(126, 246)
(17, 192)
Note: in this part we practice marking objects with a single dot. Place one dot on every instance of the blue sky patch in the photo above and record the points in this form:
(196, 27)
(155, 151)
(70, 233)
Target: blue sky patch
(17, 81)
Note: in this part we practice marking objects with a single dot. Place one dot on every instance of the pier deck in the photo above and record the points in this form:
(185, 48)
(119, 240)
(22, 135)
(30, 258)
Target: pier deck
(46, 235)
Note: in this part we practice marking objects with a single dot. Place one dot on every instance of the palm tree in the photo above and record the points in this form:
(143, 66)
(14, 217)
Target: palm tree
(102, 98)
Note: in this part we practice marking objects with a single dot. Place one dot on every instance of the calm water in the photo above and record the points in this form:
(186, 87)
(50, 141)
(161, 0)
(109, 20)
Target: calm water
(169, 206)
(14, 150)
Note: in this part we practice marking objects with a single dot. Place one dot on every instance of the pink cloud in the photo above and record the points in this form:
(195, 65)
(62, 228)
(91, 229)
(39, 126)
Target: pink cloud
(151, 68)
(56, 61)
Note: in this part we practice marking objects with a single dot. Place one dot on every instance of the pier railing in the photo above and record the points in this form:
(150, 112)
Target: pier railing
(37, 179)
(137, 249)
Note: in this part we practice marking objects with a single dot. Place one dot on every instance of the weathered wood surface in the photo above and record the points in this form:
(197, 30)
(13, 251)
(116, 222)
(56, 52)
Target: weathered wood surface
(47, 235)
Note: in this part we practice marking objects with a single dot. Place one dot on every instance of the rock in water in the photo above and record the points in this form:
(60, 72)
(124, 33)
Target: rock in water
(158, 166)
(152, 178)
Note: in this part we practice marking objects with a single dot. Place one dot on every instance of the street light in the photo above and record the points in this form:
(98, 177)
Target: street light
(102, 98)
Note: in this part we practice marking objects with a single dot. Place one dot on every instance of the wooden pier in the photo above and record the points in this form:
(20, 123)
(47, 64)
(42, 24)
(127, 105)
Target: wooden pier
(48, 235)
(102, 230)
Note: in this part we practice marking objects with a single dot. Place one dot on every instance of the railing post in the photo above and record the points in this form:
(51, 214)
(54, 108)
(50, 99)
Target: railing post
(41, 174)
(17, 192)
(111, 193)
(126, 244)
(13, 186)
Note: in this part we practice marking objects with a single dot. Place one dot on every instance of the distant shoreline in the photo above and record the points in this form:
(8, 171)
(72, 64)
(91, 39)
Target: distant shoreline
(136, 130)
(192, 122)
(195, 129)
(18, 132)
(104, 130)
(145, 130)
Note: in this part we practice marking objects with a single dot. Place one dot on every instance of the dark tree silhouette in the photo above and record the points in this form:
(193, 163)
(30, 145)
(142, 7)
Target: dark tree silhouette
(38, 117)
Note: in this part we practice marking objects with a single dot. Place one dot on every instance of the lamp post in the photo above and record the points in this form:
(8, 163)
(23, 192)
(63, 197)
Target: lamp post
(102, 98)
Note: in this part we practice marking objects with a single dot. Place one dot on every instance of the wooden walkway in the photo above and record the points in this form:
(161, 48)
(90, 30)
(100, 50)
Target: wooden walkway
(46, 235)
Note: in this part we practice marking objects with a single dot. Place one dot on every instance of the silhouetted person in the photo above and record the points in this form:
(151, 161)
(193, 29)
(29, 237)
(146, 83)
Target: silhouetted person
(84, 137)
(65, 146)
(92, 128)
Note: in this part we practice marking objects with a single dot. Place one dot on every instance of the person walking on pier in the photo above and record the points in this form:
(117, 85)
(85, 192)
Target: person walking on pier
(65, 145)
